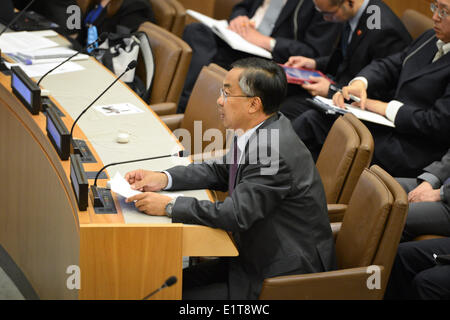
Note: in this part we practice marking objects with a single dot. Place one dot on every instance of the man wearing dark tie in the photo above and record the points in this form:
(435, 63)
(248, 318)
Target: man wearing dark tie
(419, 108)
(361, 42)
(283, 27)
(275, 197)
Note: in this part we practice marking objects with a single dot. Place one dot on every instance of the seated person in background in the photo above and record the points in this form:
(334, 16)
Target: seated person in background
(358, 46)
(420, 108)
(284, 27)
(53, 10)
(106, 15)
(429, 208)
(417, 275)
(274, 201)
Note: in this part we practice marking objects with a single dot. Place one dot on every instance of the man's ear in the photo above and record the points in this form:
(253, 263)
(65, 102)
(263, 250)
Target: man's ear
(256, 105)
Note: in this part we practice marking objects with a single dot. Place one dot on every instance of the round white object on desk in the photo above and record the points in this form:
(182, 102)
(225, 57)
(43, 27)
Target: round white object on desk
(123, 137)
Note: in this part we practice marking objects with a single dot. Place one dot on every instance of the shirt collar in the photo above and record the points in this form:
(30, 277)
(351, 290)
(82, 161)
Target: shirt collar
(353, 22)
(242, 140)
(443, 46)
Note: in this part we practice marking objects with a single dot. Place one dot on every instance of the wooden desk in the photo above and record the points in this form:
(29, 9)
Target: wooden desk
(121, 256)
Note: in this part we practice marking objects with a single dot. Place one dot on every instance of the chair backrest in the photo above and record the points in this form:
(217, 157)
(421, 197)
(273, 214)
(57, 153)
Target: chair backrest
(336, 158)
(394, 227)
(179, 20)
(202, 107)
(373, 222)
(172, 57)
(416, 23)
(164, 13)
(223, 8)
(362, 159)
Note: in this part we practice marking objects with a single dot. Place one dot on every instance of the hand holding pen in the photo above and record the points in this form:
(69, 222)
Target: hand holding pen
(356, 91)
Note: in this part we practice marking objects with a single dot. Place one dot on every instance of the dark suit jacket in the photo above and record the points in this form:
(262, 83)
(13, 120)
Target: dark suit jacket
(279, 222)
(366, 45)
(422, 133)
(131, 15)
(54, 10)
(441, 170)
(314, 37)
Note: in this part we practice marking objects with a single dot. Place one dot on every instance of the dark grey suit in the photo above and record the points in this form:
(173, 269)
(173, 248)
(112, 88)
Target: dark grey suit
(429, 217)
(279, 221)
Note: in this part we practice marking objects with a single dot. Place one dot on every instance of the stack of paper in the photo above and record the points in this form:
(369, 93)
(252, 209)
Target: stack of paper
(234, 40)
(14, 42)
(359, 113)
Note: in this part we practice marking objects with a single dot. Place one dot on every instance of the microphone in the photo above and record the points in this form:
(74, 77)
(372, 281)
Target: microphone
(21, 13)
(130, 66)
(97, 195)
(101, 38)
(180, 154)
(169, 282)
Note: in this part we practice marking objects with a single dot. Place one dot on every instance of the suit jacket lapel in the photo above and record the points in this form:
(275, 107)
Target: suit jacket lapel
(252, 137)
(420, 64)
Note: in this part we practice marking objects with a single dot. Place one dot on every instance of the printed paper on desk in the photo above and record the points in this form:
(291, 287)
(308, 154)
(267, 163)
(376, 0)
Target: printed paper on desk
(38, 70)
(21, 41)
(118, 109)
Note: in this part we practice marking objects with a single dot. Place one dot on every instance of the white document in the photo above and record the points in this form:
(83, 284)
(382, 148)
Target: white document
(38, 70)
(121, 186)
(45, 33)
(359, 113)
(234, 40)
(14, 42)
(118, 109)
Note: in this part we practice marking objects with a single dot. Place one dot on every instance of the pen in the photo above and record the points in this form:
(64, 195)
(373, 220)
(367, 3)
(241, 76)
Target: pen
(352, 97)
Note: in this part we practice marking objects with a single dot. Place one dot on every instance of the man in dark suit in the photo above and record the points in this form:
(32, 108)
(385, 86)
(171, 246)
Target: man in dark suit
(420, 76)
(429, 208)
(296, 28)
(359, 44)
(417, 274)
(276, 208)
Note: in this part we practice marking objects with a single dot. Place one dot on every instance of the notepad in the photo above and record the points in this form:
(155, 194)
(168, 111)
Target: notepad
(359, 113)
(234, 40)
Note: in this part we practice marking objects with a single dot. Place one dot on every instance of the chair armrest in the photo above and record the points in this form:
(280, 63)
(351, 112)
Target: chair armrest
(165, 108)
(345, 284)
(336, 212)
(173, 121)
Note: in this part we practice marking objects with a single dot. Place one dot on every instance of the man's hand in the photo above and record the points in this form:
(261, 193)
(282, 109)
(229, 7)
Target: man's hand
(151, 203)
(375, 106)
(255, 37)
(357, 88)
(301, 62)
(241, 25)
(424, 193)
(144, 180)
(318, 86)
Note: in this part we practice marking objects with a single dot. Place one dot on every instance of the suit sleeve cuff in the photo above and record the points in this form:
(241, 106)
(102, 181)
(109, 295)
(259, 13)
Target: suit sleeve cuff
(169, 180)
(392, 109)
(431, 179)
(361, 79)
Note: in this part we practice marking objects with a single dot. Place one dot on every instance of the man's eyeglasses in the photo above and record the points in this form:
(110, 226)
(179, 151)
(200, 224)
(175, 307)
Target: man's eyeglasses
(442, 13)
(226, 95)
